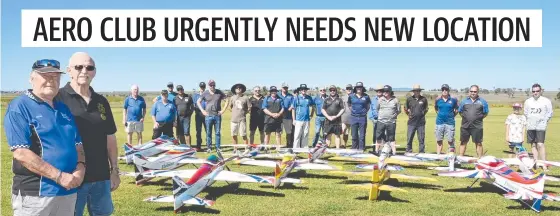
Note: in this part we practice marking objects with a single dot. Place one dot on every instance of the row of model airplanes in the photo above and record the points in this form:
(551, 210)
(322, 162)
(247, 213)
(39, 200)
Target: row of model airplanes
(162, 156)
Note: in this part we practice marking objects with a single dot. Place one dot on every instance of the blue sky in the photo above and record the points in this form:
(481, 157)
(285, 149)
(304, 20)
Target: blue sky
(152, 68)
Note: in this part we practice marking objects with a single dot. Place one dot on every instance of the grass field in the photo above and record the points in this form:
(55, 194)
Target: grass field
(324, 194)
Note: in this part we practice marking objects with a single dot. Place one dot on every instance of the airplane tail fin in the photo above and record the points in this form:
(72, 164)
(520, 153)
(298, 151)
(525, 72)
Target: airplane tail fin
(537, 205)
(179, 187)
(127, 150)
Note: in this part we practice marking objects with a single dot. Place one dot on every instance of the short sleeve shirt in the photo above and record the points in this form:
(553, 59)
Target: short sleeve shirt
(301, 105)
(239, 108)
(213, 101)
(333, 106)
(273, 105)
(134, 108)
(473, 112)
(184, 105)
(49, 132)
(257, 114)
(516, 125)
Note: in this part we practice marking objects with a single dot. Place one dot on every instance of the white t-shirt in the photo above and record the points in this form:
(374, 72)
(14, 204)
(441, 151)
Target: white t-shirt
(538, 113)
(516, 124)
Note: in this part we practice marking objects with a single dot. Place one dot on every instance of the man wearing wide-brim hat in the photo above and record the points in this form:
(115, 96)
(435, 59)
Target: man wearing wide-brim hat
(416, 107)
(359, 103)
(373, 113)
(304, 109)
(239, 105)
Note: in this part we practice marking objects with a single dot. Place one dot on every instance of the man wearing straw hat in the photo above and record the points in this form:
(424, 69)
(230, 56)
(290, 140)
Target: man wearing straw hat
(239, 105)
(373, 115)
(416, 107)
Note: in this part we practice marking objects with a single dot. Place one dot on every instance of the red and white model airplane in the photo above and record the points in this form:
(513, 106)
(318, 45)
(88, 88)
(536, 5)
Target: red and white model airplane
(529, 191)
(153, 147)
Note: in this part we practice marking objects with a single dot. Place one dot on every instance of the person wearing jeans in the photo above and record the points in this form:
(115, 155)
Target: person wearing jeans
(320, 119)
(304, 109)
(199, 117)
(359, 103)
(212, 112)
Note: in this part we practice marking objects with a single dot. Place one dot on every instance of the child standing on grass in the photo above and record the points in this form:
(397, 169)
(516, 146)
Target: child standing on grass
(516, 124)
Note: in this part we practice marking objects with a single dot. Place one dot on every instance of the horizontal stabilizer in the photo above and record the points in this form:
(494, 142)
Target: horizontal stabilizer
(291, 180)
(192, 201)
(444, 169)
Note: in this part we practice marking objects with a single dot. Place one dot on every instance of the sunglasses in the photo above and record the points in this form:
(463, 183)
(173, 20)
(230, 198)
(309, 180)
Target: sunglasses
(88, 67)
(180, 89)
(46, 63)
(212, 85)
(536, 91)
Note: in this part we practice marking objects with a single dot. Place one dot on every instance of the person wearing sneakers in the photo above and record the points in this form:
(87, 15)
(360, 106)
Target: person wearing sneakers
(373, 115)
(332, 109)
(345, 118)
(257, 115)
(287, 100)
(320, 119)
(239, 105)
(199, 118)
(213, 113)
(304, 108)
(446, 108)
(416, 107)
(274, 110)
(516, 123)
(538, 110)
(388, 109)
(359, 103)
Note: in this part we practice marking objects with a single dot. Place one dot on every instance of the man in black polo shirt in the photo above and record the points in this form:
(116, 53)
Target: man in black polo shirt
(273, 108)
(332, 109)
(256, 115)
(416, 107)
(96, 125)
(185, 108)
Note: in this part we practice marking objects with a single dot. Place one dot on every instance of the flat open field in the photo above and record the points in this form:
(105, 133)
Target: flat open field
(324, 194)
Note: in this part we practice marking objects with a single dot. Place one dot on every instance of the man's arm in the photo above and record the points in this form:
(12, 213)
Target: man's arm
(485, 108)
(406, 106)
(124, 110)
(226, 105)
(110, 130)
(550, 110)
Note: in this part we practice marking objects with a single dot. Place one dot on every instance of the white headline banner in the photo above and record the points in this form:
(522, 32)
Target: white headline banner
(281, 28)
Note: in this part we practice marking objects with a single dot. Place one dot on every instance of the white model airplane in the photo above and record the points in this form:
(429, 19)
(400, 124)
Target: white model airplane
(514, 184)
(153, 147)
(210, 171)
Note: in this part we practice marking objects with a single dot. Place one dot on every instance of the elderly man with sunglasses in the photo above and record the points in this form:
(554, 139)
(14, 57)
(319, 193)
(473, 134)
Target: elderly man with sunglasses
(133, 114)
(473, 110)
(538, 111)
(373, 115)
(97, 127)
(48, 156)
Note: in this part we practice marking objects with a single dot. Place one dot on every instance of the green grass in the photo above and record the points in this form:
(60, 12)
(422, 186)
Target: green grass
(324, 194)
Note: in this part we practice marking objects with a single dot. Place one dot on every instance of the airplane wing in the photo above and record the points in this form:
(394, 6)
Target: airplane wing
(444, 169)
(371, 166)
(191, 201)
(344, 151)
(466, 174)
(410, 177)
(240, 177)
(390, 160)
(382, 187)
(548, 163)
(316, 166)
(265, 163)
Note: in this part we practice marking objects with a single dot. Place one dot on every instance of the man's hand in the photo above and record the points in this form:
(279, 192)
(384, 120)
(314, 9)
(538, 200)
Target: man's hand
(221, 112)
(204, 113)
(142, 120)
(174, 124)
(156, 125)
(69, 181)
(115, 180)
(124, 122)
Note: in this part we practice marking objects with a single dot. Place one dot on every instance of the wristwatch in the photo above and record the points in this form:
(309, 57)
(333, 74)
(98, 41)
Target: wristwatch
(114, 169)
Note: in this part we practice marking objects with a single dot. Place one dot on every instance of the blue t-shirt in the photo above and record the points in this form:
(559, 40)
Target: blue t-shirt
(360, 105)
(445, 111)
(170, 97)
(49, 132)
(164, 112)
(134, 108)
(318, 101)
(286, 103)
(373, 108)
(301, 105)
(195, 97)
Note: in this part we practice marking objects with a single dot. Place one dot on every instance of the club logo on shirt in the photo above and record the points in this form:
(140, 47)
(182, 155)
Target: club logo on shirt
(65, 116)
(101, 109)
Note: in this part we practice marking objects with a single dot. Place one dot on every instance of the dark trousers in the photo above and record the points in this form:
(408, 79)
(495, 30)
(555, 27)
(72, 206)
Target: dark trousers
(319, 127)
(199, 122)
(165, 128)
(412, 129)
(358, 128)
(374, 131)
(290, 138)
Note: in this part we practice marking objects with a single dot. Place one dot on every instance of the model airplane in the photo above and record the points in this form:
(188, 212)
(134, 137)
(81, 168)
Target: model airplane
(210, 171)
(153, 147)
(380, 173)
(514, 184)
(394, 159)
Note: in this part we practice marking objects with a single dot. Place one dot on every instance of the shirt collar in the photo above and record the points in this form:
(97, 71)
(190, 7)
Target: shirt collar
(70, 90)
(29, 93)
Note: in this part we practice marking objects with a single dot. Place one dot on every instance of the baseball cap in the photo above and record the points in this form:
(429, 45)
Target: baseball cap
(332, 87)
(517, 105)
(211, 82)
(285, 85)
(272, 89)
(164, 91)
(179, 87)
(202, 85)
(444, 86)
(349, 87)
(47, 66)
(387, 88)
(169, 84)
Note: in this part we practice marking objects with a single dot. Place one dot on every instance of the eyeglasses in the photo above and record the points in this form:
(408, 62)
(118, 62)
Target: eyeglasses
(88, 67)
(46, 63)
(348, 88)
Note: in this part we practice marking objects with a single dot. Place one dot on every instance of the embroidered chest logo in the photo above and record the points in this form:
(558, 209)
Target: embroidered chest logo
(65, 116)
(101, 109)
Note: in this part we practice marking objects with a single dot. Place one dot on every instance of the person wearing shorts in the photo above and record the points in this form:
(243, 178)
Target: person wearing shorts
(133, 114)
(274, 110)
(538, 110)
(345, 118)
(388, 108)
(516, 123)
(446, 108)
(332, 109)
(256, 115)
(164, 116)
(239, 106)
(287, 122)
(185, 108)
(473, 110)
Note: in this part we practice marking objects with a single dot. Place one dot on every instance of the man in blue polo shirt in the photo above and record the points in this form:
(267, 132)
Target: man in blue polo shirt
(134, 112)
(48, 157)
(320, 119)
(304, 109)
(359, 103)
(287, 122)
(373, 114)
(164, 115)
(473, 110)
(199, 117)
(170, 94)
(446, 109)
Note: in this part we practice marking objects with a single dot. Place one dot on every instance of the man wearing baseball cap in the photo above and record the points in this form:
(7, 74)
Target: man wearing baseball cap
(359, 103)
(373, 114)
(345, 119)
(388, 108)
(446, 108)
(185, 109)
(164, 116)
(213, 113)
(287, 122)
(416, 107)
(333, 109)
(274, 110)
(320, 119)
(198, 116)
(170, 95)
(304, 108)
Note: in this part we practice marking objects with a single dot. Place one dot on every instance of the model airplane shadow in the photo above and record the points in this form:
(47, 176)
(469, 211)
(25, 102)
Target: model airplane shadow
(484, 187)
(213, 193)
(395, 182)
(285, 186)
(159, 182)
(305, 174)
(193, 208)
(384, 196)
